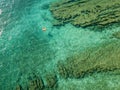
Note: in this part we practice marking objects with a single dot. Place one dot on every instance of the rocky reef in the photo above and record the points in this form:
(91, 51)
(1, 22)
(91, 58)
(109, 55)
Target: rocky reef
(51, 80)
(18, 87)
(38, 83)
(100, 59)
(86, 13)
(105, 58)
(116, 35)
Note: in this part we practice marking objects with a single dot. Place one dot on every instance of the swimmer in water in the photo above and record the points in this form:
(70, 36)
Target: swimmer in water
(44, 28)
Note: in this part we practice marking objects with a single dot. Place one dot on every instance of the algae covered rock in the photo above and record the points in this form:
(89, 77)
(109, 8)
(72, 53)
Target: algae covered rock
(86, 12)
(36, 84)
(105, 58)
(18, 87)
(116, 35)
(51, 80)
(62, 70)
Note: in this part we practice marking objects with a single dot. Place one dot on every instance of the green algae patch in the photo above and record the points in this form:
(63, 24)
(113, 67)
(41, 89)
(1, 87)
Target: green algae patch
(86, 12)
(105, 58)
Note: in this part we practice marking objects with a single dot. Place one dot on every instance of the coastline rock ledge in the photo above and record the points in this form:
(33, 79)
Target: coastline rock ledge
(86, 13)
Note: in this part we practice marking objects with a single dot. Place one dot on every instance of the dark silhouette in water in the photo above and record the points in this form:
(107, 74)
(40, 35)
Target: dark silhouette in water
(45, 6)
(50, 35)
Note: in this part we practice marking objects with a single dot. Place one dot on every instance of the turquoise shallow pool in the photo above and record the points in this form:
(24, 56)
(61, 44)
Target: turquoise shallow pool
(26, 49)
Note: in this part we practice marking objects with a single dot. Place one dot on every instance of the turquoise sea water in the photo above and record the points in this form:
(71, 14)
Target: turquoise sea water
(26, 49)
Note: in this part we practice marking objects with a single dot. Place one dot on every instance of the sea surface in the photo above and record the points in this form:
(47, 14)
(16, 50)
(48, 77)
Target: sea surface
(25, 48)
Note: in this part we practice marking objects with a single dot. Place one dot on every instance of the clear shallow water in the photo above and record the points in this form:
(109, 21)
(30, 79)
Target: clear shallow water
(25, 48)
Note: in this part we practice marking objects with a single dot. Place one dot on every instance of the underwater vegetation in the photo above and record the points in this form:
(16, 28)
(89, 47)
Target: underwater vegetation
(86, 12)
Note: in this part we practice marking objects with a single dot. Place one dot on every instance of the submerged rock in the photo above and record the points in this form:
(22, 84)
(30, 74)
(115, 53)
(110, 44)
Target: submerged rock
(86, 12)
(51, 80)
(18, 87)
(36, 84)
(105, 58)
(116, 35)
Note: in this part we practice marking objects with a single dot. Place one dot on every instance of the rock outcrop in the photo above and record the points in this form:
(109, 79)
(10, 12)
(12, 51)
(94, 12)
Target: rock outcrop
(116, 35)
(86, 13)
(51, 80)
(18, 87)
(38, 83)
(100, 59)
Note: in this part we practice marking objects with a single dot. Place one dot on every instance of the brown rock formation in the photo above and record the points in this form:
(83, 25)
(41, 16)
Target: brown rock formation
(86, 12)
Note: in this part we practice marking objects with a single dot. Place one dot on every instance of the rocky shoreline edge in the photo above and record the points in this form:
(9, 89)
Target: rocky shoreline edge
(86, 13)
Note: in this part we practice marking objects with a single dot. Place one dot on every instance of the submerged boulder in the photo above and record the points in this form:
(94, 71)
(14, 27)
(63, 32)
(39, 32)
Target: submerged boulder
(86, 12)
